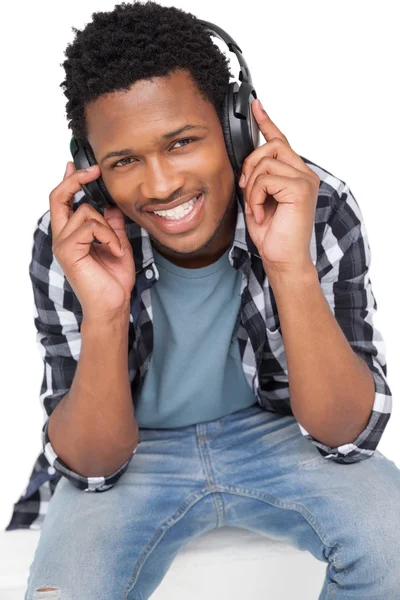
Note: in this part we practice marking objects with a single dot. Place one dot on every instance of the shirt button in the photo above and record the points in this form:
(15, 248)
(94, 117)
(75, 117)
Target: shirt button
(149, 274)
(51, 470)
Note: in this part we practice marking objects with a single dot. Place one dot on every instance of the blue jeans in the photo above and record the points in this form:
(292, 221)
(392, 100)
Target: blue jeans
(252, 469)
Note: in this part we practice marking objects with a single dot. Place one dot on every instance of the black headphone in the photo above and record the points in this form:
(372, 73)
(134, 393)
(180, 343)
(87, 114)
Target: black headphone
(241, 132)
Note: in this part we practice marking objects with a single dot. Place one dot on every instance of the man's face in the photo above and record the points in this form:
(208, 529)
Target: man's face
(154, 172)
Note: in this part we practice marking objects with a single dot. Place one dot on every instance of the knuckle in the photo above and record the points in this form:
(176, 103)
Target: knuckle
(267, 160)
(260, 177)
(84, 210)
(53, 194)
(312, 181)
(91, 223)
(305, 184)
(56, 249)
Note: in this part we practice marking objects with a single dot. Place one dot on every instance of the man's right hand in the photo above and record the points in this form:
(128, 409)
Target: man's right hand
(100, 275)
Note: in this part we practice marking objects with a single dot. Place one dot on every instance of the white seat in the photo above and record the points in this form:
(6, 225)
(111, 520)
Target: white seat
(223, 564)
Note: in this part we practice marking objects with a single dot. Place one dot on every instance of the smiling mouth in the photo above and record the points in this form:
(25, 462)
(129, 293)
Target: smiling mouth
(171, 205)
(180, 219)
(179, 211)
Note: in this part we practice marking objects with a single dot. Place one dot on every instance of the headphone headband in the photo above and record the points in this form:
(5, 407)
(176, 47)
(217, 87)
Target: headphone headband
(244, 74)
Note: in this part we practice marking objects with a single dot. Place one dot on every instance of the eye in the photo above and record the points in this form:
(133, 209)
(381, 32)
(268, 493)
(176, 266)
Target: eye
(118, 164)
(121, 163)
(185, 140)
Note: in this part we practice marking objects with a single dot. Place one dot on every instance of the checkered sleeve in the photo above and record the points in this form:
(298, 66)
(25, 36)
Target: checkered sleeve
(343, 268)
(57, 317)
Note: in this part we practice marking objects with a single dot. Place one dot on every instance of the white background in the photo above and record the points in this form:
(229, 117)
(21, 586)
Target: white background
(327, 74)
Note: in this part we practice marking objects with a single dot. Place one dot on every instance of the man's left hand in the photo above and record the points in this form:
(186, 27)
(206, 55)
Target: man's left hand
(281, 194)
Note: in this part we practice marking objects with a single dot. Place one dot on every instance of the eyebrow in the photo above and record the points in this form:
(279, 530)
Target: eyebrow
(165, 136)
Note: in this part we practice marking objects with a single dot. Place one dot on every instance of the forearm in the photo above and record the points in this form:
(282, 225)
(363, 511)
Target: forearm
(93, 428)
(332, 390)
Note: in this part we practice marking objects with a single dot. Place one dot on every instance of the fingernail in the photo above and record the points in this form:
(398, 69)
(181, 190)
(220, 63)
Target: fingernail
(247, 209)
(242, 179)
(66, 169)
(92, 168)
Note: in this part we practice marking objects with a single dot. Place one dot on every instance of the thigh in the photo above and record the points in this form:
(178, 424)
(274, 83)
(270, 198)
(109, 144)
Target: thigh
(120, 543)
(282, 487)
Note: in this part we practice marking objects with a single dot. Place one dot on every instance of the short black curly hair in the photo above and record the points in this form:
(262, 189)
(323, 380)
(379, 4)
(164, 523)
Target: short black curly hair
(134, 41)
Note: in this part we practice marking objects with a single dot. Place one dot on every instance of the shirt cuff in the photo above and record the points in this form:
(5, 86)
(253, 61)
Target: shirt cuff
(365, 444)
(86, 484)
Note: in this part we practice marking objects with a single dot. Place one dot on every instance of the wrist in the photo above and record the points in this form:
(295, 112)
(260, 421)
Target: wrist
(297, 275)
(115, 320)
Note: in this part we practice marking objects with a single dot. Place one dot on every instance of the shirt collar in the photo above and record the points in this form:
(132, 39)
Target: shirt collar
(143, 250)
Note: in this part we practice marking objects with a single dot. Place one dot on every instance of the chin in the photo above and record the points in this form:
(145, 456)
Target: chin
(180, 250)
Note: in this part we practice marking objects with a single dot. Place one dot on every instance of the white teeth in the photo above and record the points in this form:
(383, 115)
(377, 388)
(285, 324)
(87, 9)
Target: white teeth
(179, 211)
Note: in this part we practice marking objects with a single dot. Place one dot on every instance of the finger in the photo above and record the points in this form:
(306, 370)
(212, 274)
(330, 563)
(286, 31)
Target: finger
(274, 149)
(272, 185)
(79, 242)
(85, 213)
(269, 165)
(265, 123)
(62, 196)
(70, 169)
(116, 219)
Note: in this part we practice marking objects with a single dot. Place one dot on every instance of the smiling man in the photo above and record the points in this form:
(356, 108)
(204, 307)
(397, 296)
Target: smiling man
(148, 171)
(212, 361)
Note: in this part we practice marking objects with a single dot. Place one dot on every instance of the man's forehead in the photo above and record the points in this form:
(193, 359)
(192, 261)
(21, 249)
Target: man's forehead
(153, 114)
(150, 96)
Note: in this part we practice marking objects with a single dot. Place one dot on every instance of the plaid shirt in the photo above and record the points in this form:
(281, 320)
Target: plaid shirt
(341, 254)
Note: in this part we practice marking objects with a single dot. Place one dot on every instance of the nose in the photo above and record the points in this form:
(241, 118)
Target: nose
(161, 179)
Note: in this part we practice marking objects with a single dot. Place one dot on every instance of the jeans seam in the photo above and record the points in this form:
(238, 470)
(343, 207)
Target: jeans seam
(273, 501)
(160, 533)
(201, 438)
(290, 506)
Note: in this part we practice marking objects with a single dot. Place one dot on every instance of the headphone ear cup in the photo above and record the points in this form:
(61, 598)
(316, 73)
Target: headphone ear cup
(227, 133)
(241, 130)
(106, 198)
(90, 155)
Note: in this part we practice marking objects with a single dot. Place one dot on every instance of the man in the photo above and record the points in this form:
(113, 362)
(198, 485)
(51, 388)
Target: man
(171, 345)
